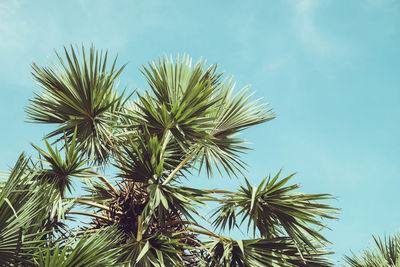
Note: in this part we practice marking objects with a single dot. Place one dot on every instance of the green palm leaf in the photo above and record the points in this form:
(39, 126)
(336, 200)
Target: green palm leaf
(62, 169)
(276, 252)
(181, 101)
(272, 207)
(386, 253)
(232, 114)
(156, 250)
(149, 159)
(79, 93)
(98, 249)
(199, 110)
(29, 215)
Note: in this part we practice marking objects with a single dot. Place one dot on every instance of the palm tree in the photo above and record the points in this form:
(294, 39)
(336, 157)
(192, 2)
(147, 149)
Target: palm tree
(386, 253)
(189, 120)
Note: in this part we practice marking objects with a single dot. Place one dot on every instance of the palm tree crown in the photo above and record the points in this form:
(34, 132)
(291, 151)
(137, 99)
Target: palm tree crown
(189, 119)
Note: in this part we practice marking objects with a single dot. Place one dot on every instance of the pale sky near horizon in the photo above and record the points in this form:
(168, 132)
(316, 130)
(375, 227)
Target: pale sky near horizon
(329, 69)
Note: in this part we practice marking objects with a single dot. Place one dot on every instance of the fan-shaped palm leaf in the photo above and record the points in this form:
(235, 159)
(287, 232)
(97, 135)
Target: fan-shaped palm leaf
(232, 114)
(183, 96)
(272, 207)
(201, 112)
(79, 93)
(62, 169)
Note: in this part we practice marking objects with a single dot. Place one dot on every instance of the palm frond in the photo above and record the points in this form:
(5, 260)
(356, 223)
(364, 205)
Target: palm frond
(386, 253)
(149, 159)
(272, 207)
(98, 249)
(97, 191)
(62, 169)
(198, 109)
(81, 93)
(274, 252)
(29, 214)
(232, 114)
(183, 97)
(156, 250)
(178, 199)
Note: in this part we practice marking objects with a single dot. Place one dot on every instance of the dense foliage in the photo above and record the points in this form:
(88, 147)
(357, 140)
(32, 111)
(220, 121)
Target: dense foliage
(188, 121)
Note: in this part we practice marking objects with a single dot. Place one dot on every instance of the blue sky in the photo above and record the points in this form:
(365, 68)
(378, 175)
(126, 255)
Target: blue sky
(330, 70)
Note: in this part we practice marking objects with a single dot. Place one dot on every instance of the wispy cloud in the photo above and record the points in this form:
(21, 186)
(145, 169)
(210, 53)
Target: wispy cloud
(275, 64)
(307, 29)
(10, 27)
